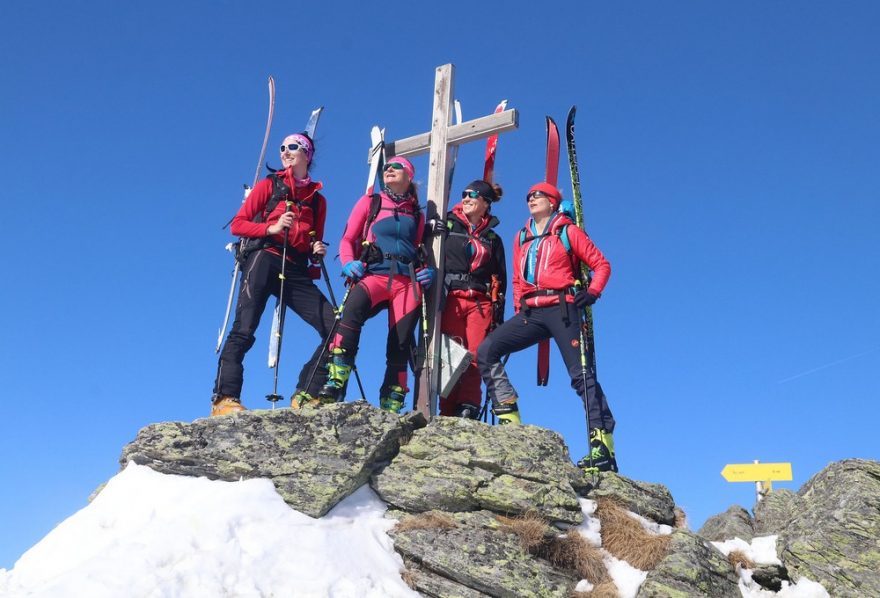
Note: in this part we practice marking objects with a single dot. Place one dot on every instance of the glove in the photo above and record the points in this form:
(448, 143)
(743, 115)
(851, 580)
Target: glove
(354, 269)
(584, 298)
(498, 313)
(425, 276)
(435, 226)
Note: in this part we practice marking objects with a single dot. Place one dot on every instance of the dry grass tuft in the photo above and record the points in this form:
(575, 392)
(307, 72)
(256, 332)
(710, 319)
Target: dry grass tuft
(529, 527)
(738, 557)
(681, 518)
(604, 590)
(574, 553)
(426, 520)
(625, 538)
(408, 578)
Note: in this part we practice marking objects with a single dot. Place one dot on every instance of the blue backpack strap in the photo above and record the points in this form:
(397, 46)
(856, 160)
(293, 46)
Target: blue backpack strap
(563, 236)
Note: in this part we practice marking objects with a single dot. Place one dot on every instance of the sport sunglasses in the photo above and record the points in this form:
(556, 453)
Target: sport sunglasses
(293, 147)
(537, 195)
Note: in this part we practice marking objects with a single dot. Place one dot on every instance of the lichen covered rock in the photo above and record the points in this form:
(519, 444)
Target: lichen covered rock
(315, 458)
(458, 465)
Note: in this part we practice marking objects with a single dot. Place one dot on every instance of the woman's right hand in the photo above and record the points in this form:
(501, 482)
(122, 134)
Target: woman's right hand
(284, 221)
(354, 269)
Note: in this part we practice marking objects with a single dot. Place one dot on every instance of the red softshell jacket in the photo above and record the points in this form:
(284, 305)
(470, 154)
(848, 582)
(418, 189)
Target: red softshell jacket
(310, 212)
(556, 269)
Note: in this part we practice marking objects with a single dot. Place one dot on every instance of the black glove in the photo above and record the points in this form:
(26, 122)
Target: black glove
(498, 313)
(435, 226)
(584, 298)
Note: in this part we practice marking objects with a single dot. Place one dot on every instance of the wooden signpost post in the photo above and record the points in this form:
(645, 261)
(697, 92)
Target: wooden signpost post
(439, 142)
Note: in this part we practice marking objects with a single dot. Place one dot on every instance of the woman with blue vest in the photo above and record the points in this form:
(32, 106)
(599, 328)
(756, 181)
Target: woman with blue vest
(380, 253)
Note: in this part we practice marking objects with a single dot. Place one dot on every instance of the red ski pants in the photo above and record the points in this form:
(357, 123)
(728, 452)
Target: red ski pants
(466, 317)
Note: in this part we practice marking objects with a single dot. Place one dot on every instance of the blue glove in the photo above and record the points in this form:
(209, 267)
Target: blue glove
(354, 269)
(425, 276)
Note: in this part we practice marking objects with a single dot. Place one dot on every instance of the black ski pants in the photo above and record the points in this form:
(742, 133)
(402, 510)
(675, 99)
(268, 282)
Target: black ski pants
(562, 324)
(260, 280)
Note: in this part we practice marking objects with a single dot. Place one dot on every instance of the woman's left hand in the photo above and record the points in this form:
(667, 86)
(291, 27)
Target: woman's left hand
(425, 276)
(319, 249)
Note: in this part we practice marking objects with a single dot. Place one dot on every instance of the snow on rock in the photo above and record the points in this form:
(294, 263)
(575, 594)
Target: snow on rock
(761, 550)
(151, 534)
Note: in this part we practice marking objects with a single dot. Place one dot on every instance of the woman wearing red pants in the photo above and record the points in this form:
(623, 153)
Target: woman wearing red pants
(474, 260)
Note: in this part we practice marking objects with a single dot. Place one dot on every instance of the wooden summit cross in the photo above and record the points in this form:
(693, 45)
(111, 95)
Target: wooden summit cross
(440, 142)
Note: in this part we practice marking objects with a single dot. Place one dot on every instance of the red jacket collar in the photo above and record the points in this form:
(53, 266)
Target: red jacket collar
(458, 212)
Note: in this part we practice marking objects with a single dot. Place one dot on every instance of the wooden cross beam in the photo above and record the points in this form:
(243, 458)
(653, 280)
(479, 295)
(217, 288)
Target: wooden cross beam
(439, 142)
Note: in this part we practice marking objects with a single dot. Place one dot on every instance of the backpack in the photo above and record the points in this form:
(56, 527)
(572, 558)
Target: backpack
(280, 192)
(371, 253)
(561, 232)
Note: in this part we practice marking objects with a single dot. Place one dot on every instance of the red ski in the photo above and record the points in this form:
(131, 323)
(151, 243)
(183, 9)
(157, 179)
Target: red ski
(551, 175)
(491, 147)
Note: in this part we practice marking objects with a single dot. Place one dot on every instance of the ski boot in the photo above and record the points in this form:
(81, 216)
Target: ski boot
(601, 451)
(467, 411)
(392, 399)
(507, 413)
(301, 400)
(339, 370)
(223, 405)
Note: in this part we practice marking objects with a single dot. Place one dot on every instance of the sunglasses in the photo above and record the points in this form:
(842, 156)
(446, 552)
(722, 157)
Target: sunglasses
(394, 165)
(537, 195)
(293, 147)
(471, 194)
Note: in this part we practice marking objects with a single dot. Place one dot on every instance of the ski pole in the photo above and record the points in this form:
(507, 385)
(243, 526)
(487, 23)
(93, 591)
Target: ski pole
(338, 312)
(281, 309)
(425, 340)
(325, 345)
(581, 325)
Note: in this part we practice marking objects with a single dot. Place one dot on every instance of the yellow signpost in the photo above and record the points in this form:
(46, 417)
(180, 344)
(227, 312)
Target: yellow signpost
(763, 474)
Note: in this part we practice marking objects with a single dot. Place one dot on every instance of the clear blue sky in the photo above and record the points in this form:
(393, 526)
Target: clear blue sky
(729, 161)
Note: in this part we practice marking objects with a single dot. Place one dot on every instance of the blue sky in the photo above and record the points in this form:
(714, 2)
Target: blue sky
(728, 158)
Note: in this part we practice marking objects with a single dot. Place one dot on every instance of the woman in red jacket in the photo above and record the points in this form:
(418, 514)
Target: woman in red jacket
(548, 300)
(288, 199)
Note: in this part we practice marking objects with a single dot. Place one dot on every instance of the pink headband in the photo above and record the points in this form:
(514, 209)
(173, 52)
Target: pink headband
(407, 165)
(305, 143)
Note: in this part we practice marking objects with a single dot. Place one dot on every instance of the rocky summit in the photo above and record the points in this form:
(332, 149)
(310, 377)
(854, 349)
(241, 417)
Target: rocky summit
(482, 510)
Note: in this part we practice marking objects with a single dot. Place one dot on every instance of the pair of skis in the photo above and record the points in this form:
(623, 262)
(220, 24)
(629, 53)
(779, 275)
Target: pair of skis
(236, 247)
(551, 175)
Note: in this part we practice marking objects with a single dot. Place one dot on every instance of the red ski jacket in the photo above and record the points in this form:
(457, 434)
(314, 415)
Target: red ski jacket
(555, 268)
(309, 209)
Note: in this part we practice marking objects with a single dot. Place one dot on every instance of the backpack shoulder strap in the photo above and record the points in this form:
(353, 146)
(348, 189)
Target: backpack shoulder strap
(375, 206)
(279, 191)
(562, 233)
